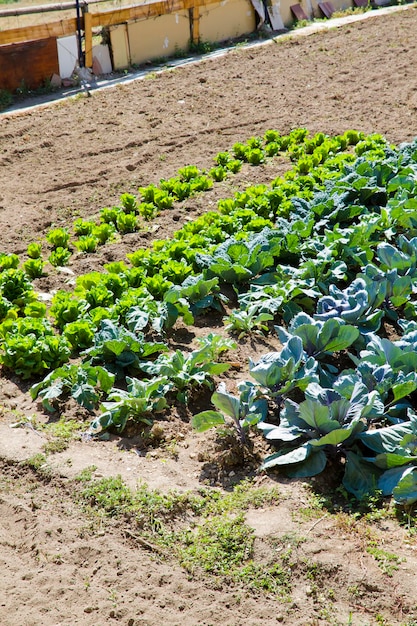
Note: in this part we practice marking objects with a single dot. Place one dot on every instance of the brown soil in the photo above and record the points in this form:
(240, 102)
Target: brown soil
(70, 159)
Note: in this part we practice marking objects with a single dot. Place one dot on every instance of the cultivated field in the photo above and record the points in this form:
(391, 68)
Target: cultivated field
(190, 533)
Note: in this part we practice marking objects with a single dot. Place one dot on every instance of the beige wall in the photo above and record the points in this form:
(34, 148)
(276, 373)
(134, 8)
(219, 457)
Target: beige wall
(158, 37)
(120, 46)
(226, 19)
(285, 11)
(144, 40)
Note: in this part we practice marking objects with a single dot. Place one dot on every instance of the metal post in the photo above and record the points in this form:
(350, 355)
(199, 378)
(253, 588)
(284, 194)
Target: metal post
(79, 37)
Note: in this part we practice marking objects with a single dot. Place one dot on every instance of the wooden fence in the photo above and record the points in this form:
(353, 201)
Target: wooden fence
(89, 21)
(18, 44)
(131, 28)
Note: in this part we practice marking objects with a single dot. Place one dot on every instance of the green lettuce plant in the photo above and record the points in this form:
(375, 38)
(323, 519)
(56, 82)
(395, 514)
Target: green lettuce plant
(139, 403)
(86, 243)
(34, 267)
(8, 261)
(59, 257)
(34, 250)
(58, 238)
(84, 383)
(29, 347)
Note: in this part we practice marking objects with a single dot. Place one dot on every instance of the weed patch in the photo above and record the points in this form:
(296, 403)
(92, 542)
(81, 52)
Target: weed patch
(387, 561)
(219, 546)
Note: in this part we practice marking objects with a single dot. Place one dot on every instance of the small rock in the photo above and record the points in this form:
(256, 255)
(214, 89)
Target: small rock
(157, 432)
(56, 81)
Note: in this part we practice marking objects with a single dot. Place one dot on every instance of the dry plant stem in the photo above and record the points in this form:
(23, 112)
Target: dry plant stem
(316, 523)
(145, 544)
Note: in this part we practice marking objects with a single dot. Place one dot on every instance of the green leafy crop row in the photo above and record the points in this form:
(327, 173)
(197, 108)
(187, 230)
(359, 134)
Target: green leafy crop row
(327, 251)
(343, 388)
(162, 283)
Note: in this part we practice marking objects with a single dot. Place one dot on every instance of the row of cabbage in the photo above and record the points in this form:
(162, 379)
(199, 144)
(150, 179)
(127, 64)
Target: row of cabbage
(345, 285)
(328, 252)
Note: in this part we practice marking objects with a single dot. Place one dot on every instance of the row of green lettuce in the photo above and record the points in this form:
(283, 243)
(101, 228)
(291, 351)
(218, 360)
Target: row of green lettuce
(159, 284)
(131, 215)
(328, 252)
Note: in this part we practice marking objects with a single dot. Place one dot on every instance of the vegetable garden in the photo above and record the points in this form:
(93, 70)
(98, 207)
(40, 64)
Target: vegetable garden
(326, 254)
(241, 321)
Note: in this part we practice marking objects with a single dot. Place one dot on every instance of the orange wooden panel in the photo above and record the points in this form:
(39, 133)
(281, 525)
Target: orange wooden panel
(41, 31)
(31, 62)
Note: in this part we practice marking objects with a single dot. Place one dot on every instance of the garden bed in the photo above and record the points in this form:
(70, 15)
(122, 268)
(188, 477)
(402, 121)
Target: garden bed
(66, 564)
